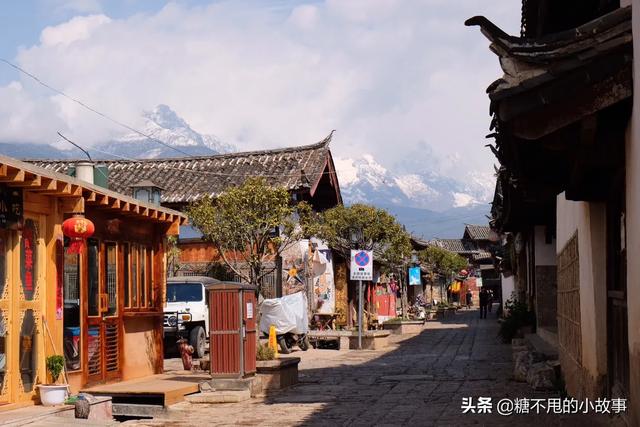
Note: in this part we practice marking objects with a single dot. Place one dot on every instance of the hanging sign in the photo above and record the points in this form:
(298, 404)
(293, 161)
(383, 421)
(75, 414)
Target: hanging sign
(10, 207)
(414, 276)
(361, 265)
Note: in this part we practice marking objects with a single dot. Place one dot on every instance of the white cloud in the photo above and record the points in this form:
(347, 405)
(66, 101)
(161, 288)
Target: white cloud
(78, 28)
(388, 75)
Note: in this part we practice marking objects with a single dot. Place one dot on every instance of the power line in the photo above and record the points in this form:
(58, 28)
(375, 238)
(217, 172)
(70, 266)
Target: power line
(93, 110)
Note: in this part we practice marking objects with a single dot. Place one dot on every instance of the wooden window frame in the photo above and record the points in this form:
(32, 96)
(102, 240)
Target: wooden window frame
(146, 300)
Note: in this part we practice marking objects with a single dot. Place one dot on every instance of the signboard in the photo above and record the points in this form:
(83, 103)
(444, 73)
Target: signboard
(10, 207)
(414, 276)
(361, 265)
(249, 310)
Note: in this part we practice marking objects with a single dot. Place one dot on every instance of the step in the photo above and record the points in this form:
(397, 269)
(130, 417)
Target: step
(226, 396)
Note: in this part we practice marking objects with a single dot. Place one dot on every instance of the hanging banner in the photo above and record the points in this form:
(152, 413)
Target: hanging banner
(361, 265)
(414, 276)
(59, 278)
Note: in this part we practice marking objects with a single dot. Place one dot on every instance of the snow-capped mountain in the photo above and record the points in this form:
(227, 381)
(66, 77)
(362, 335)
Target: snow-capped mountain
(427, 203)
(163, 124)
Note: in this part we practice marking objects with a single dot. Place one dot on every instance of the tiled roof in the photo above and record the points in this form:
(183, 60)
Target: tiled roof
(188, 179)
(459, 246)
(478, 232)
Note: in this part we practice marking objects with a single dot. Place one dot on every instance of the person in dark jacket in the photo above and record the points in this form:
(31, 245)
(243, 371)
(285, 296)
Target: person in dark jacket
(469, 298)
(484, 302)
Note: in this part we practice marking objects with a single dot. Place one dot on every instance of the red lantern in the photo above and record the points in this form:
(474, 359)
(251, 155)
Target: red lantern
(78, 229)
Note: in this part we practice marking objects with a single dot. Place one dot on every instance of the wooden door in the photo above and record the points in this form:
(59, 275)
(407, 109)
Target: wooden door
(617, 325)
(25, 333)
(104, 314)
(6, 298)
(250, 338)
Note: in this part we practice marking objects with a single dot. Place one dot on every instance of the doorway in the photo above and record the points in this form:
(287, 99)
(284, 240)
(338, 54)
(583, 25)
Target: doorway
(104, 317)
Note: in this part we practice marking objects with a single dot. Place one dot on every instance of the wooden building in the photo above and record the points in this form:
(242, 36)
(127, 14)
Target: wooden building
(101, 308)
(566, 124)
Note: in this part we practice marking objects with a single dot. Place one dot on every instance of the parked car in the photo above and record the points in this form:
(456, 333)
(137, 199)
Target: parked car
(186, 313)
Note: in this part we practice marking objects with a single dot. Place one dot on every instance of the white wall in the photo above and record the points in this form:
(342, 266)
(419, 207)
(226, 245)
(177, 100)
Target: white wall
(545, 253)
(508, 286)
(589, 220)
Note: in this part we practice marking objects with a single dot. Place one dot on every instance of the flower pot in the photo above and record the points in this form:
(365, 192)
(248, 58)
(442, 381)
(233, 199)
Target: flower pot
(53, 394)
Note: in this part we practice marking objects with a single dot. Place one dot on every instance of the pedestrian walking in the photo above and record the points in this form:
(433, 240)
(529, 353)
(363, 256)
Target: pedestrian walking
(469, 299)
(484, 300)
(490, 301)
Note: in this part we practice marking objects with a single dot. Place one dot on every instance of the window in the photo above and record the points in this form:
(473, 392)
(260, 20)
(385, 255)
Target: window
(71, 294)
(111, 278)
(127, 274)
(94, 284)
(139, 290)
(184, 292)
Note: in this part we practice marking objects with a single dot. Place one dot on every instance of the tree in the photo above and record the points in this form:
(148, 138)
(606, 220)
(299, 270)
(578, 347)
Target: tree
(250, 225)
(441, 261)
(364, 227)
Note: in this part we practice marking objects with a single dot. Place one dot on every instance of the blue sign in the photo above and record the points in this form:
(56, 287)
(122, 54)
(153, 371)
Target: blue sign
(414, 276)
(362, 258)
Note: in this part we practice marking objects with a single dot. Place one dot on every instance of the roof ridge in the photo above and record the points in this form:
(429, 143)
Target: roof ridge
(317, 145)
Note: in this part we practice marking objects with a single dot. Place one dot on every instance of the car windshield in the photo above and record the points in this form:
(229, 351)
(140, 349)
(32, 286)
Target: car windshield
(184, 292)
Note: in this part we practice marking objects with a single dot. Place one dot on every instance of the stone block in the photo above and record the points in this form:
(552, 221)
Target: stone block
(226, 396)
(521, 366)
(541, 376)
(404, 327)
(278, 374)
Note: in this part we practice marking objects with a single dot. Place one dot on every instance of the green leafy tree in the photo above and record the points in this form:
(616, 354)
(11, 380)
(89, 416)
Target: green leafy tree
(364, 227)
(250, 225)
(441, 261)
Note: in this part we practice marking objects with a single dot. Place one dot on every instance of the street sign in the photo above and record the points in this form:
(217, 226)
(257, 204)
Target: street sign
(361, 265)
(414, 276)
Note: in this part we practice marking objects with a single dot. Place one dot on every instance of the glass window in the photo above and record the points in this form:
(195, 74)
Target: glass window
(28, 351)
(126, 268)
(134, 276)
(28, 259)
(143, 277)
(94, 284)
(184, 292)
(71, 294)
(111, 278)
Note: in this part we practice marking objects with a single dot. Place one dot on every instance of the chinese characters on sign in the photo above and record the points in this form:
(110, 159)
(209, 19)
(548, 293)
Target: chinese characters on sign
(552, 405)
(28, 254)
(361, 265)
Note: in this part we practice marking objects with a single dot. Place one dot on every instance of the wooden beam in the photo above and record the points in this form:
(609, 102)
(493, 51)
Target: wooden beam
(91, 197)
(72, 205)
(29, 180)
(174, 228)
(61, 189)
(104, 200)
(13, 176)
(115, 204)
(126, 207)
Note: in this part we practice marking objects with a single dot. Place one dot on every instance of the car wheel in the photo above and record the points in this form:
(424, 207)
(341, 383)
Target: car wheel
(284, 347)
(198, 340)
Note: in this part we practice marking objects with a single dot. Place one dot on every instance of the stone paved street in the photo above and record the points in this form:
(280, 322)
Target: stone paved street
(419, 381)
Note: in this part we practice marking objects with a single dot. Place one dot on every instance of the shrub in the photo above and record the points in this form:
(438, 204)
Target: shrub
(265, 352)
(55, 364)
(517, 316)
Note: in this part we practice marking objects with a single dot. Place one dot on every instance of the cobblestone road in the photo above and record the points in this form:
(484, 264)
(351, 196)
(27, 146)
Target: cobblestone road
(419, 381)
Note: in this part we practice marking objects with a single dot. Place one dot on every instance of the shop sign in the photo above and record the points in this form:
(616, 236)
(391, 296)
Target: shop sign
(28, 258)
(10, 207)
(414, 276)
(361, 265)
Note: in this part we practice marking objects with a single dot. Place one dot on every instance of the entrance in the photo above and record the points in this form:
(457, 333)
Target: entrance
(21, 288)
(617, 326)
(104, 317)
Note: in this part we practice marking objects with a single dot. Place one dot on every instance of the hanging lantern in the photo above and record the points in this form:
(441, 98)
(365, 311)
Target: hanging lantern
(78, 229)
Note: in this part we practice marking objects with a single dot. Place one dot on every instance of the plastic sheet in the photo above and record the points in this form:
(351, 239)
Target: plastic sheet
(287, 314)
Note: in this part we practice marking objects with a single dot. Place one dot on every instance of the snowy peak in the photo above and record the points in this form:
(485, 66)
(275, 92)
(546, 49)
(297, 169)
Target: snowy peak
(365, 180)
(176, 138)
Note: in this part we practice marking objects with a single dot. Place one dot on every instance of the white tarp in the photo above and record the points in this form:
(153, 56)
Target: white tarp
(287, 314)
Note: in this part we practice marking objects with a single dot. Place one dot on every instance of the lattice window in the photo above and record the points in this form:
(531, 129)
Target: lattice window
(111, 347)
(95, 353)
(569, 331)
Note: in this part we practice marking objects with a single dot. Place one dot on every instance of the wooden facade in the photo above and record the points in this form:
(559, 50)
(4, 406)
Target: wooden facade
(102, 308)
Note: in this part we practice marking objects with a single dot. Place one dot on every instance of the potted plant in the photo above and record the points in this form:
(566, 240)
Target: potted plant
(53, 394)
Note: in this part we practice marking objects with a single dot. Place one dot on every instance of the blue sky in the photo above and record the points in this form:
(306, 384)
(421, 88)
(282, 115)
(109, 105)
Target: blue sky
(401, 80)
